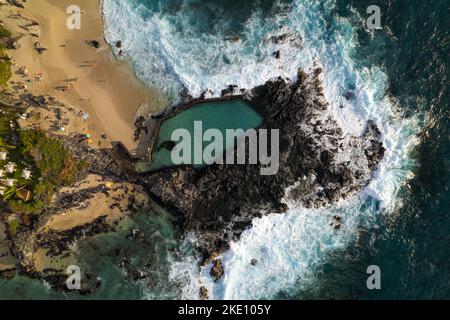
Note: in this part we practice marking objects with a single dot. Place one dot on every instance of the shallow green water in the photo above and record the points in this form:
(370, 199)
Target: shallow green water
(221, 115)
(412, 251)
(142, 242)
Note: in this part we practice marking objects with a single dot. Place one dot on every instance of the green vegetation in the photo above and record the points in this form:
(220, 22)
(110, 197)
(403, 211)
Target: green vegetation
(53, 161)
(5, 63)
(4, 33)
(51, 166)
(14, 226)
(5, 69)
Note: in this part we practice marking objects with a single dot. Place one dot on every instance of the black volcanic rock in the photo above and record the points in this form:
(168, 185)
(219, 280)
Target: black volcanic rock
(217, 270)
(319, 165)
(230, 90)
(203, 293)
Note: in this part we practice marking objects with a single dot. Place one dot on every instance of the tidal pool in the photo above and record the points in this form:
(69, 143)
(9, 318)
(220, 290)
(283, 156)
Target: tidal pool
(222, 115)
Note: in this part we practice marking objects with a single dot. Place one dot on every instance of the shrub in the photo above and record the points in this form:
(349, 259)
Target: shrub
(4, 33)
(5, 63)
(5, 70)
(55, 163)
(56, 168)
(14, 226)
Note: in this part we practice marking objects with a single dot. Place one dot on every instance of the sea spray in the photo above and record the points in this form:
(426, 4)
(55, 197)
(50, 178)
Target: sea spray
(167, 49)
(158, 40)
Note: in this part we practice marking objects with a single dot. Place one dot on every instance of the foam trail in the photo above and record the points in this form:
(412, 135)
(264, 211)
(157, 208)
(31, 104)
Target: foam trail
(289, 247)
(301, 240)
(159, 51)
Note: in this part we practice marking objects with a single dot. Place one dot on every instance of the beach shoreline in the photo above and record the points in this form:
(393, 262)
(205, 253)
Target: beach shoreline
(95, 82)
(64, 85)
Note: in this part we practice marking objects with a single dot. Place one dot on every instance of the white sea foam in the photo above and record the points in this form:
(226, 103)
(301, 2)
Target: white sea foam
(289, 247)
(169, 59)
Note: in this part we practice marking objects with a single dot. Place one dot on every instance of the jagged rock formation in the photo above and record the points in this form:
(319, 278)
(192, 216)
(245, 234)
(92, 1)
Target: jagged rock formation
(104, 161)
(91, 207)
(319, 165)
(217, 270)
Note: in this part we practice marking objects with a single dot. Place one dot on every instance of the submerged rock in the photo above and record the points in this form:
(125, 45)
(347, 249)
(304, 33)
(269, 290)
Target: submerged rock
(319, 165)
(204, 295)
(168, 145)
(217, 270)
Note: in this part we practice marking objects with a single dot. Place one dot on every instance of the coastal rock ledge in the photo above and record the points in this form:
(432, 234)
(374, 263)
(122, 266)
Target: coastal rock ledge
(319, 166)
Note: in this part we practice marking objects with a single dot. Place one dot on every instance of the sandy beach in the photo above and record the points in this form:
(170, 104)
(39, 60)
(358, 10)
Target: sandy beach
(84, 78)
(87, 91)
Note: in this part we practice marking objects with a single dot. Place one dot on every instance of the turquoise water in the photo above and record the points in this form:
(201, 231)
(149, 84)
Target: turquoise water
(222, 115)
(399, 76)
(141, 243)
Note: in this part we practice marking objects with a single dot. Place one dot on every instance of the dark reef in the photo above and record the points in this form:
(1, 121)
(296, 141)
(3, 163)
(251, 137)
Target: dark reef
(318, 163)
(319, 166)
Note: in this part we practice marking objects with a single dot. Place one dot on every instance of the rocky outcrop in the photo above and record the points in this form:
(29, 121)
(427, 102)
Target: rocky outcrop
(217, 270)
(203, 293)
(91, 207)
(16, 3)
(319, 165)
(105, 162)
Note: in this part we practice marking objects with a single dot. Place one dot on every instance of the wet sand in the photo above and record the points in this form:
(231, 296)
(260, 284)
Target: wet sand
(97, 83)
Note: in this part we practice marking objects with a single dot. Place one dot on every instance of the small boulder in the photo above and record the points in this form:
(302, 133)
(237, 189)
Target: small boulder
(217, 270)
(204, 293)
(93, 43)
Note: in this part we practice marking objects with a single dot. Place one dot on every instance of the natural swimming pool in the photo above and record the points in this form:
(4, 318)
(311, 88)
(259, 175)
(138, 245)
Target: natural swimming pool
(222, 115)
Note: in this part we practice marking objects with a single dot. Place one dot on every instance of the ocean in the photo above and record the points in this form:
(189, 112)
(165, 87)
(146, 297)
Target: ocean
(397, 76)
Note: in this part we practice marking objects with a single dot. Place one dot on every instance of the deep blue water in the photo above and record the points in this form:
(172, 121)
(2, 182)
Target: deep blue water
(399, 75)
(412, 250)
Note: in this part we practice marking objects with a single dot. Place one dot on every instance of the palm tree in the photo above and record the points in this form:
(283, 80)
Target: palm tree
(11, 192)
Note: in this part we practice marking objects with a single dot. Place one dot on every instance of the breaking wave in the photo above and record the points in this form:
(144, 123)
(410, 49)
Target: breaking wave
(181, 44)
